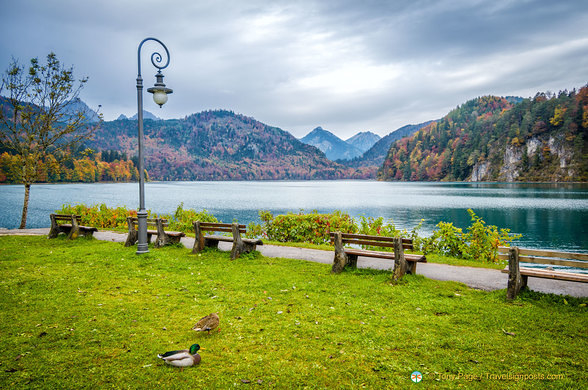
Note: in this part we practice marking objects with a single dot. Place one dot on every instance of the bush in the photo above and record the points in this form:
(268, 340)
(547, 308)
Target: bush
(182, 218)
(313, 228)
(102, 216)
(480, 242)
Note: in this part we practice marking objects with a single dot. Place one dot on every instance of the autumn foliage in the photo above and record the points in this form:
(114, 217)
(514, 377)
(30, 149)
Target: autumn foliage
(539, 139)
(84, 169)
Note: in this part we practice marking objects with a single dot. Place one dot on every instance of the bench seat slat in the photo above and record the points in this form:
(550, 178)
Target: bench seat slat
(218, 238)
(547, 274)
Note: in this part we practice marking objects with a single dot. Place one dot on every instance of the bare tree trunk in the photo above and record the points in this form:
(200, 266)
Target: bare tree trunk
(25, 207)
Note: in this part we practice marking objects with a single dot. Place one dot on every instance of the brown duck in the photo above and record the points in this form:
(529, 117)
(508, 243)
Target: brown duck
(207, 323)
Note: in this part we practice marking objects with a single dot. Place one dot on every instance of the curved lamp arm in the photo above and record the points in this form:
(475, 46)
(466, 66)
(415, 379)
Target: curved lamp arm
(156, 58)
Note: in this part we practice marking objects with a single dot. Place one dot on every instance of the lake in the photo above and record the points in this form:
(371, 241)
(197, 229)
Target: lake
(550, 216)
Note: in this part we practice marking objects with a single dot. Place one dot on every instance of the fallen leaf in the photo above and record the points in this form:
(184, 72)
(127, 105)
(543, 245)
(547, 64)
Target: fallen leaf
(245, 381)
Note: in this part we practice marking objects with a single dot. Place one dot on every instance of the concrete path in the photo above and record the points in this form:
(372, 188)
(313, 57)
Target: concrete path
(478, 278)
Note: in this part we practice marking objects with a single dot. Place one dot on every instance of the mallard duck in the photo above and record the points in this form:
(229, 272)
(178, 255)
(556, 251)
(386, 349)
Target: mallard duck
(207, 323)
(182, 358)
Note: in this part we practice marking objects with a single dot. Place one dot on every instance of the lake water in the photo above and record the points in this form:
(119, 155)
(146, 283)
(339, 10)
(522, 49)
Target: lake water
(550, 216)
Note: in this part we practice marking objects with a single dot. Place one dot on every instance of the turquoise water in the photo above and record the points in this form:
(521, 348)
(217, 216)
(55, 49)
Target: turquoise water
(550, 216)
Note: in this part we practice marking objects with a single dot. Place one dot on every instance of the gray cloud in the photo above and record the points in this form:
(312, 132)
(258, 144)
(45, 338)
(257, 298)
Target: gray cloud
(348, 66)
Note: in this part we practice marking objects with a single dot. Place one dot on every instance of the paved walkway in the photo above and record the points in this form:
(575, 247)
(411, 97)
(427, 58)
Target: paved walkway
(479, 278)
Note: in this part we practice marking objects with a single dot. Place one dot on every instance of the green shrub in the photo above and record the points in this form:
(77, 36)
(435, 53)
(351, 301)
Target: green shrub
(313, 228)
(183, 218)
(102, 216)
(480, 241)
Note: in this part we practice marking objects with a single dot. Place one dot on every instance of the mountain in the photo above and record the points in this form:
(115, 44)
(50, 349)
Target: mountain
(492, 139)
(220, 145)
(331, 145)
(363, 140)
(146, 115)
(376, 155)
(77, 105)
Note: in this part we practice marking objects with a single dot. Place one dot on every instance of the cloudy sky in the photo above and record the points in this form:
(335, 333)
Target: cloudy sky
(347, 66)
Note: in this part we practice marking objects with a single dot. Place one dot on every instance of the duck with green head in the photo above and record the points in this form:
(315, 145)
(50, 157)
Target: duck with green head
(182, 358)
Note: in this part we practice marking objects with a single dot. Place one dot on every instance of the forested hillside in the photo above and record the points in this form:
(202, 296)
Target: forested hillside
(220, 145)
(492, 139)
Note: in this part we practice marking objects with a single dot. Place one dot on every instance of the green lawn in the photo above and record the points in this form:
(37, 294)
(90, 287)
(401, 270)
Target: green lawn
(92, 314)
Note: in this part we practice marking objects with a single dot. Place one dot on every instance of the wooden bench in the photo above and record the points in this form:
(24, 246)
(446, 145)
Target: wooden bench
(163, 237)
(403, 263)
(240, 245)
(69, 225)
(518, 276)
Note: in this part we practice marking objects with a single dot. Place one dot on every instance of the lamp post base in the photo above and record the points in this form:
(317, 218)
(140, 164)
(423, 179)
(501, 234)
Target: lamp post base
(142, 245)
(142, 249)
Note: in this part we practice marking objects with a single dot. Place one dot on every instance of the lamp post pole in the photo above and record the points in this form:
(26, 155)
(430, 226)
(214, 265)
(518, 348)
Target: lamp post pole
(160, 93)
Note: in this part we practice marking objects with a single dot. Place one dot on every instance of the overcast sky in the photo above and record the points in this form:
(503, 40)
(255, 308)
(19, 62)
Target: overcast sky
(347, 66)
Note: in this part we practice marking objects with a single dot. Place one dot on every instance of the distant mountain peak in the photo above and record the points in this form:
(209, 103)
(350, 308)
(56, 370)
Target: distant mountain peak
(77, 105)
(146, 115)
(363, 140)
(331, 145)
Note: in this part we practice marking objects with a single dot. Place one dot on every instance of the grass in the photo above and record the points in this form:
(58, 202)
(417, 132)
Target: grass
(92, 314)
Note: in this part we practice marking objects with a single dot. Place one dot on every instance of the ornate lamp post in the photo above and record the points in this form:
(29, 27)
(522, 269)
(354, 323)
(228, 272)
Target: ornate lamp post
(160, 93)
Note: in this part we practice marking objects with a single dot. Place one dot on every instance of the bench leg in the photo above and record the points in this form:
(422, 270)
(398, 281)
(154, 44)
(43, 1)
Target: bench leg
(524, 279)
(162, 240)
(54, 232)
(352, 261)
(411, 267)
(400, 263)
(340, 260)
(515, 280)
(132, 238)
(199, 238)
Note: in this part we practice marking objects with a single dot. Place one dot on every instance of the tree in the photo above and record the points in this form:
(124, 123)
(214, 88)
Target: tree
(38, 118)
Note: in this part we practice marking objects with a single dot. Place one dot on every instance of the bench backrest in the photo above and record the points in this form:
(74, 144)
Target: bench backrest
(220, 227)
(381, 241)
(538, 256)
(65, 217)
(150, 221)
